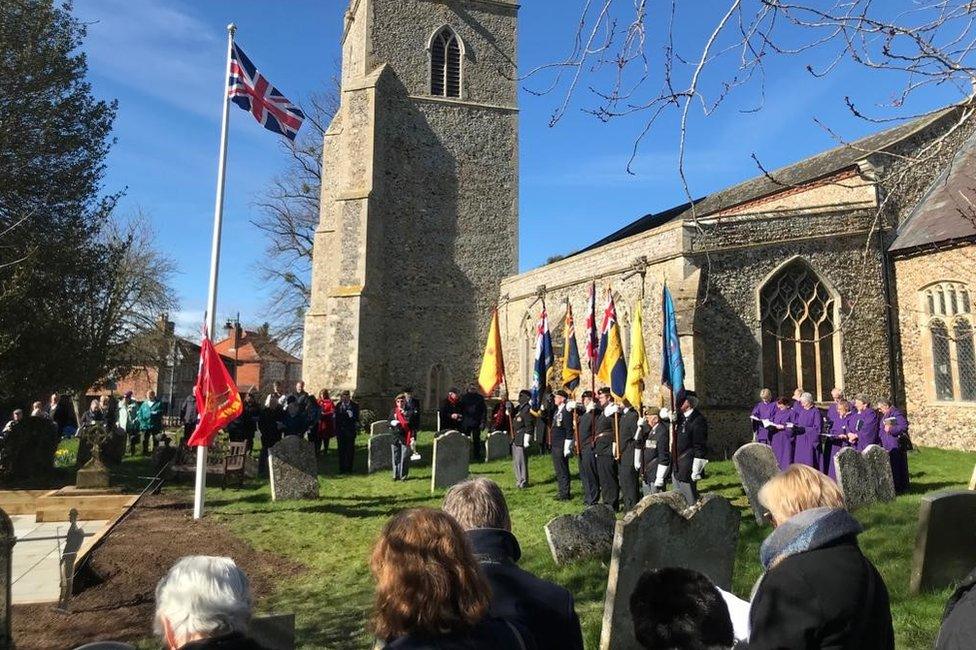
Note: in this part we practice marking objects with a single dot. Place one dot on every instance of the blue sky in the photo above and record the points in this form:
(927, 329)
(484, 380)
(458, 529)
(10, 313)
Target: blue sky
(163, 60)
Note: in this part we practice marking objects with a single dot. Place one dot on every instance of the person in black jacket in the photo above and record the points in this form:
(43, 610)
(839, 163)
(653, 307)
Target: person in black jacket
(586, 423)
(269, 424)
(546, 610)
(692, 446)
(347, 426)
(474, 414)
(958, 631)
(543, 420)
(657, 450)
(562, 438)
(243, 427)
(449, 417)
(524, 428)
(679, 608)
(629, 460)
(818, 589)
(605, 449)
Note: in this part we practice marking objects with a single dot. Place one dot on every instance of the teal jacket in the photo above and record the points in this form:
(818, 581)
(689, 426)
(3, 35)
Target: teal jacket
(151, 416)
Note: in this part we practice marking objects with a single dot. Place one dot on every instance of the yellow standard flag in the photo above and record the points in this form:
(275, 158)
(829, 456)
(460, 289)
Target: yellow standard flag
(493, 365)
(637, 369)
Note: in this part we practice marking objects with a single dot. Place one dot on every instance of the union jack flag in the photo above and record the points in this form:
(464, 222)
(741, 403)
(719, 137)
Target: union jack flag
(250, 90)
(592, 338)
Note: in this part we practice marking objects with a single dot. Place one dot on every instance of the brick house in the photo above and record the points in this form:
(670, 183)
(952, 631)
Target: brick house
(258, 360)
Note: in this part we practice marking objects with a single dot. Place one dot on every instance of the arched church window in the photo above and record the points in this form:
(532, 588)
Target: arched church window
(940, 360)
(799, 337)
(445, 64)
(966, 354)
(953, 354)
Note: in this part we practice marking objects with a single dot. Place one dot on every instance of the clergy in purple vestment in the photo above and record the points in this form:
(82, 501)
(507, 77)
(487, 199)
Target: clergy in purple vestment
(795, 403)
(837, 438)
(764, 410)
(808, 425)
(894, 429)
(837, 397)
(781, 432)
(864, 424)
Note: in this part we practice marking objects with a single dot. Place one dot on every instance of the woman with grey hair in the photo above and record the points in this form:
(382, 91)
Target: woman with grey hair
(204, 602)
(807, 427)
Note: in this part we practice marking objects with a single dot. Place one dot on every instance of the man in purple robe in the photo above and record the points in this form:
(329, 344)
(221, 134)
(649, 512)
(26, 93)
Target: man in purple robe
(795, 404)
(864, 424)
(764, 410)
(894, 431)
(807, 427)
(781, 432)
(837, 437)
(837, 395)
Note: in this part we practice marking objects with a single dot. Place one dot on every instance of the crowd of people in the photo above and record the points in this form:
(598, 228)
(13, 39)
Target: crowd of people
(799, 432)
(449, 578)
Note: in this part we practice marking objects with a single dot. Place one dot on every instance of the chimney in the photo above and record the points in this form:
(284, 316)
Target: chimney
(165, 325)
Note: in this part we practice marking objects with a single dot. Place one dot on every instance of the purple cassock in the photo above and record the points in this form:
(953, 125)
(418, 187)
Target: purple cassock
(763, 411)
(891, 441)
(781, 440)
(865, 425)
(833, 415)
(840, 426)
(809, 425)
(797, 406)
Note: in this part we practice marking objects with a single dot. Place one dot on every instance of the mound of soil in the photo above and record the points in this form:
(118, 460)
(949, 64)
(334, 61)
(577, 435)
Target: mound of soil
(114, 599)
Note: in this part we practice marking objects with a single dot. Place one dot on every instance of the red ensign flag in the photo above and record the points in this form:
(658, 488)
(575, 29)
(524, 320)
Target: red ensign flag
(218, 401)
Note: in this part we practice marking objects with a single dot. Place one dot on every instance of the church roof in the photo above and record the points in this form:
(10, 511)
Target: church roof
(813, 168)
(947, 212)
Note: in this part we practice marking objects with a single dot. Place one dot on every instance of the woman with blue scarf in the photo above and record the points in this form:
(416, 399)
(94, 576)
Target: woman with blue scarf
(818, 589)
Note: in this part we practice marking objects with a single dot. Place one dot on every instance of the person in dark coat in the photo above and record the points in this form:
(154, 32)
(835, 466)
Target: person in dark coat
(546, 610)
(692, 447)
(586, 423)
(562, 439)
(347, 426)
(188, 416)
(400, 419)
(474, 414)
(657, 450)
(604, 447)
(543, 420)
(629, 458)
(92, 415)
(674, 607)
(450, 413)
(293, 418)
(413, 407)
(446, 605)
(894, 439)
(958, 630)
(524, 429)
(61, 413)
(242, 428)
(818, 589)
(270, 425)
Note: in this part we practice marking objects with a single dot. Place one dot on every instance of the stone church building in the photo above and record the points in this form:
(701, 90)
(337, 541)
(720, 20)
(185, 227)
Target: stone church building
(853, 268)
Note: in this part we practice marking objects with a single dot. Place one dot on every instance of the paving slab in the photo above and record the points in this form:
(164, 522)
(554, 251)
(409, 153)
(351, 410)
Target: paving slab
(35, 563)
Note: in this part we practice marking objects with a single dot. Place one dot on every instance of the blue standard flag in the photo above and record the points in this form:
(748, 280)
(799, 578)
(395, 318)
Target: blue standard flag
(672, 365)
(543, 357)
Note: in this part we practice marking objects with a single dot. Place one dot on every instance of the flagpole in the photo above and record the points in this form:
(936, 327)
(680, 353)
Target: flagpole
(201, 476)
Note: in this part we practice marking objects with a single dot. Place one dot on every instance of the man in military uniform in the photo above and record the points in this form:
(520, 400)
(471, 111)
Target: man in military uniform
(543, 422)
(562, 436)
(474, 414)
(629, 459)
(656, 464)
(586, 424)
(692, 447)
(605, 449)
(524, 428)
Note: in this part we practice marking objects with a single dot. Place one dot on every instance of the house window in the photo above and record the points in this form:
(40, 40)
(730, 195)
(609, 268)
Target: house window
(950, 331)
(799, 337)
(445, 64)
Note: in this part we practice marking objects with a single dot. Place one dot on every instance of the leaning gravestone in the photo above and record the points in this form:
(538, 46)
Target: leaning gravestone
(378, 427)
(945, 545)
(662, 532)
(574, 537)
(864, 477)
(380, 452)
(293, 470)
(756, 464)
(497, 445)
(452, 453)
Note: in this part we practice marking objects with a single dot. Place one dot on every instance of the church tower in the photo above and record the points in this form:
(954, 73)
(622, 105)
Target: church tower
(418, 220)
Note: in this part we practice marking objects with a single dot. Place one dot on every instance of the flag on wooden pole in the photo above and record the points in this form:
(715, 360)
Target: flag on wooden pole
(637, 369)
(493, 364)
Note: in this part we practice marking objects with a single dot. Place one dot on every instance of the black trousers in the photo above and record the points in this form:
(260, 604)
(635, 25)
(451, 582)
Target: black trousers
(629, 481)
(589, 476)
(560, 463)
(146, 437)
(313, 437)
(267, 441)
(474, 432)
(606, 469)
(347, 448)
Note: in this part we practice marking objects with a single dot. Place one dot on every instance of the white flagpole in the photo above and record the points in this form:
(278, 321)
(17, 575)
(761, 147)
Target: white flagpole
(201, 478)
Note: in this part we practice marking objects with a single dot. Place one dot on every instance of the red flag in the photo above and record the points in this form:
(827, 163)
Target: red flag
(218, 401)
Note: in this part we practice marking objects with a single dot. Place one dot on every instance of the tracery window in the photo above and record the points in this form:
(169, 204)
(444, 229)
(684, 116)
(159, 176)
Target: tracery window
(798, 317)
(949, 314)
(445, 64)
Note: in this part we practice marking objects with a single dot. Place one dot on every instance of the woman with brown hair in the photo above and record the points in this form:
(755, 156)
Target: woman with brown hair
(430, 592)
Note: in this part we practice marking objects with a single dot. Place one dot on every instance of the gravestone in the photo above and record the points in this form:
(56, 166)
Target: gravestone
(864, 477)
(378, 427)
(972, 481)
(945, 544)
(496, 445)
(293, 470)
(380, 452)
(756, 464)
(662, 532)
(574, 537)
(452, 453)
(7, 541)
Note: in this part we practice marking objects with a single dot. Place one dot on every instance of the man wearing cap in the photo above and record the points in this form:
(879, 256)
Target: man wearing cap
(524, 427)
(587, 461)
(562, 441)
(692, 445)
(629, 460)
(657, 450)
(604, 447)
(347, 424)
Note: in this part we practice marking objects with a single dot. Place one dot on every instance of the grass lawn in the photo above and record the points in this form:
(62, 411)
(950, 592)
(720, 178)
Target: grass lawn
(333, 537)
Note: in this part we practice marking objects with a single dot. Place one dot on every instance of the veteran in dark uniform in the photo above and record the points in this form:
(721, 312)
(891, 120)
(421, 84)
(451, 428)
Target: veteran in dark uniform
(524, 428)
(692, 447)
(604, 447)
(629, 459)
(562, 437)
(586, 422)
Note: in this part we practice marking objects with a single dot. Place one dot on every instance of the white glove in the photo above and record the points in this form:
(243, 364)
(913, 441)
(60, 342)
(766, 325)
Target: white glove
(571, 405)
(637, 461)
(614, 446)
(664, 414)
(697, 467)
(393, 423)
(527, 439)
(568, 448)
(662, 471)
(610, 409)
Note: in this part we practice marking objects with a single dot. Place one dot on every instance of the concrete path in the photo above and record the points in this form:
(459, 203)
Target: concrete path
(35, 564)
